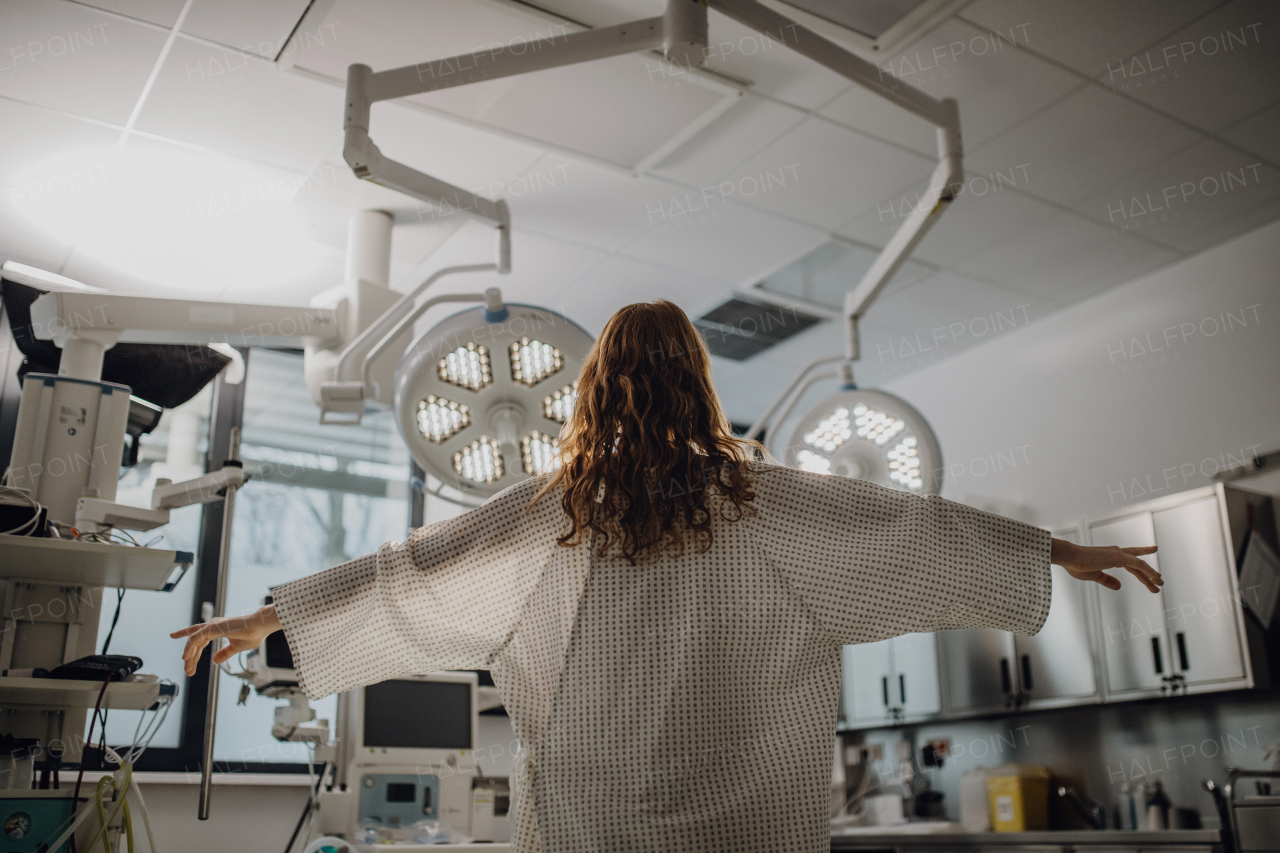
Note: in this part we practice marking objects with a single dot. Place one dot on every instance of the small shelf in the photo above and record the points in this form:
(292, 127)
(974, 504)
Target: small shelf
(92, 563)
(26, 693)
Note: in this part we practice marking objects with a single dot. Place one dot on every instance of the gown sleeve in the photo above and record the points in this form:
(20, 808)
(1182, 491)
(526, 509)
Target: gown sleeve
(448, 597)
(871, 563)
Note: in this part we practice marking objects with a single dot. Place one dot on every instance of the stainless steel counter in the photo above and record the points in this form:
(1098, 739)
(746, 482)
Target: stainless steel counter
(1065, 840)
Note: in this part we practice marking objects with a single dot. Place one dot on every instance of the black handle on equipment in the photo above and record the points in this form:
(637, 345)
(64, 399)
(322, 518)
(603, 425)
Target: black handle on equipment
(1005, 681)
(1026, 672)
(902, 687)
(1182, 650)
(884, 688)
(1155, 653)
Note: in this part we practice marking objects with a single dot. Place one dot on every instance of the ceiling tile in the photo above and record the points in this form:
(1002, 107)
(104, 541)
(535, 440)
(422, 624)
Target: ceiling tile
(1081, 145)
(823, 174)
(1189, 192)
(725, 240)
(946, 313)
(619, 110)
(996, 83)
(1085, 34)
(1234, 227)
(45, 136)
(249, 107)
(540, 265)
(830, 271)
(74, 58)
(258, 26)
(473, 159)
(986, 212)
(750, 125)
(611, 109)
(1066, 258)
(1212, 73)
(1259, 133)
(583, 203)
(161, 12)
(773, 68)
(597, 294)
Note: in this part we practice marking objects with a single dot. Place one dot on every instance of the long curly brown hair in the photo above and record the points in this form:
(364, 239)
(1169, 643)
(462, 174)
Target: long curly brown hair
(647, 442)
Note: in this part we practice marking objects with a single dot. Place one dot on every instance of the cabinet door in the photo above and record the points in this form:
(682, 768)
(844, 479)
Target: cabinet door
(1135, 650)
(979, 670)
(915, 667)
(1055, 667)
(867, 671)
(1200, 609)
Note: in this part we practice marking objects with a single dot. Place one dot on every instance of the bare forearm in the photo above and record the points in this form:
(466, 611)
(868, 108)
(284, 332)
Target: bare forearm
(1061, 551)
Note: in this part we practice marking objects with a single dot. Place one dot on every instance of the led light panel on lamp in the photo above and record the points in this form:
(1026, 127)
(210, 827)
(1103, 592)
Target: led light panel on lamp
(813, 462)
(831, 432)
(438, 418)
(467, 367)
(540, 452)
(533, 361)
(480, 461)
(558, 406)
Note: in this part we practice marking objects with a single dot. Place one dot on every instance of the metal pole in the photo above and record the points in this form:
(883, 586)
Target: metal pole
(219, 606)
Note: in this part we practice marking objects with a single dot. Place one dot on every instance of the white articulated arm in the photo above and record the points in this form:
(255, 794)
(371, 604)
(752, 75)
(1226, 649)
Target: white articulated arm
(681, 33)
(944, 114)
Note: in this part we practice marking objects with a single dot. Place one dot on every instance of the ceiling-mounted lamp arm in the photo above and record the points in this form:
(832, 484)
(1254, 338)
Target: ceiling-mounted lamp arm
(494, 312)
(943, 114)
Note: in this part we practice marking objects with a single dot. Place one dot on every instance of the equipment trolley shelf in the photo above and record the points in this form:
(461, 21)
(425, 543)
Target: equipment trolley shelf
(66, 693)
(73, 561)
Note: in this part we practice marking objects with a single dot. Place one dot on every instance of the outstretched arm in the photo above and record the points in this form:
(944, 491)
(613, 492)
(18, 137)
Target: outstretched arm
(244, 632)
(1087, 563)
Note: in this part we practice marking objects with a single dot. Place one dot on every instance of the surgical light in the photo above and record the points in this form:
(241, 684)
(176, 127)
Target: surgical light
(533, 361)
(508, 429)
(480, 461)
(558, 406)
(871, 435)
(467, 367)
(438, 418)
(540, 453)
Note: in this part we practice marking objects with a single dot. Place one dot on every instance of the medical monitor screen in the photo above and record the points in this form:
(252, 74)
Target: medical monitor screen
(408, 714)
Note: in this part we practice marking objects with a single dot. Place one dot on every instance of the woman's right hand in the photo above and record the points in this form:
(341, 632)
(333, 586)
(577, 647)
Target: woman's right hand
(1088, 563)
(242, 632)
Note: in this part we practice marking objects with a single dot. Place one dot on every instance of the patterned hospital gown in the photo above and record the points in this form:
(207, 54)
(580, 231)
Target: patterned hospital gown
(685, 704)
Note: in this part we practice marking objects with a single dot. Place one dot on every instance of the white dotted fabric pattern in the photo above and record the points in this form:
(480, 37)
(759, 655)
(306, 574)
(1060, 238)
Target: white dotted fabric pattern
(685, 704)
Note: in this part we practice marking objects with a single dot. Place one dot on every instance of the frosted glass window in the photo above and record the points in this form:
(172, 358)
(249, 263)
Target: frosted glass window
(318, 496)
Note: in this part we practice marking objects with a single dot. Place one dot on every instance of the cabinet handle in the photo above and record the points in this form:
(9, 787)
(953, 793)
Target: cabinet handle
(1155, 654)
(1005, 681)
(1182, 649)
(902, 687)
(1026, 672)
(884, 688)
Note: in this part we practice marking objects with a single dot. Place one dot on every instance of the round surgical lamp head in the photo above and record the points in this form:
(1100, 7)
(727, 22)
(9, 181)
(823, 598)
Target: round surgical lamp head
(481, 403)
(870, 435)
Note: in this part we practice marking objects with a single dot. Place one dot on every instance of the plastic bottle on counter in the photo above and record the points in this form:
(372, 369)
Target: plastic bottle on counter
(1127, 814)
(1157, 807)
(975, 810)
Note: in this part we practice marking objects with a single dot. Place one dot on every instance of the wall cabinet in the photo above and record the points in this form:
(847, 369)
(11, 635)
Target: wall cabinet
(987, 671)
(1189, 637)
(1097, 644)
(891, 681)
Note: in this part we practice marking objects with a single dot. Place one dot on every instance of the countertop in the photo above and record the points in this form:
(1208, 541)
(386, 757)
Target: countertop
(864, 837)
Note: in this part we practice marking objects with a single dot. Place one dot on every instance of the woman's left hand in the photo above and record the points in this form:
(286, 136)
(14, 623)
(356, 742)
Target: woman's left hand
(243, 633)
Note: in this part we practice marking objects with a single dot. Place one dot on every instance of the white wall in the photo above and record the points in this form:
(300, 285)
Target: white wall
(1144, 390)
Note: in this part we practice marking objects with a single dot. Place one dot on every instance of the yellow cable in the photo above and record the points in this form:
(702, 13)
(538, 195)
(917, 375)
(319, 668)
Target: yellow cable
(128, 824)
(103, 819)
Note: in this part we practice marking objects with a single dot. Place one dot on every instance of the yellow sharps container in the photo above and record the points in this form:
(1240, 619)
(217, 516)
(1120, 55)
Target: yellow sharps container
(1019, 798)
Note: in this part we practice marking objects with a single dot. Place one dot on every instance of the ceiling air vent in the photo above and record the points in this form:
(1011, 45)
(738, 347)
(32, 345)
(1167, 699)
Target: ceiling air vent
(740, 328)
